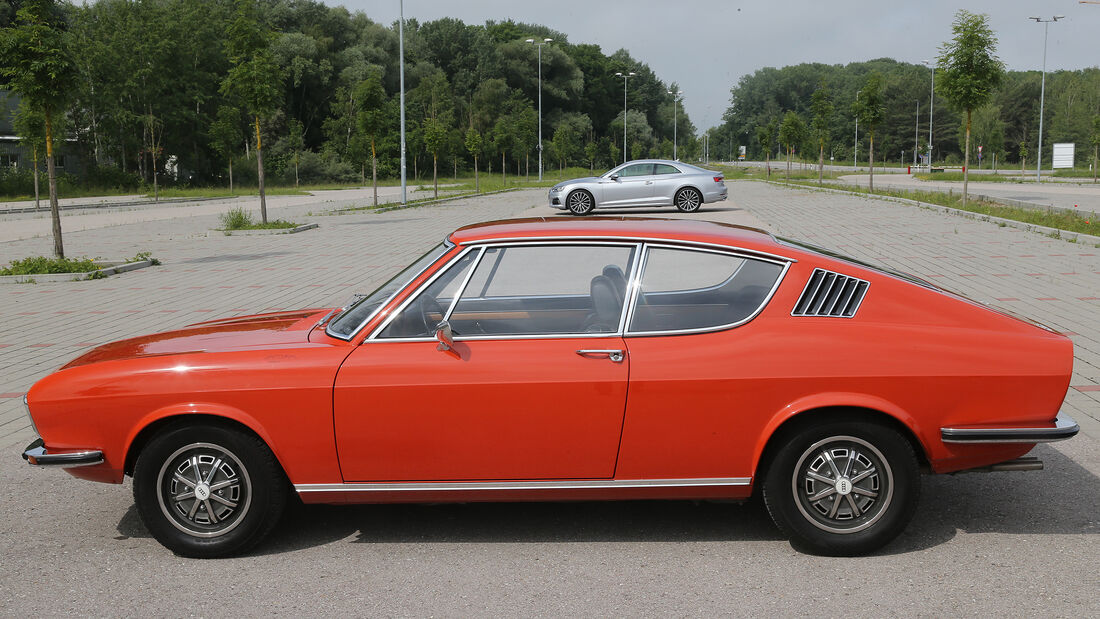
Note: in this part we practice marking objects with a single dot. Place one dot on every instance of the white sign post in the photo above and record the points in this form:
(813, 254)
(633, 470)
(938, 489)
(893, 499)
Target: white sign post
(1063, 156)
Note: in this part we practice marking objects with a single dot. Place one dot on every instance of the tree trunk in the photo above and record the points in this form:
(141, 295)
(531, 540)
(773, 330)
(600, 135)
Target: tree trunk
(374, 171)
(295, 170)
(788, 163)
(34, 151)
(477, 181)
(871, 161)
(1094, 153)
(260, 171)
(435, 174)
(966, 158)
(527, 167)
(230, 174)
(1023, 165)
(456, 167)
(820, 162)
(51, 174)
(768, 162)
(503, 169)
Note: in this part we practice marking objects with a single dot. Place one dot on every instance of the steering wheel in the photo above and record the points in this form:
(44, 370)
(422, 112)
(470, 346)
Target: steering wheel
(428, 305)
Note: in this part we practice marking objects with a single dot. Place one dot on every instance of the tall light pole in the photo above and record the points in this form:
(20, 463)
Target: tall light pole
(916, 134)
(539, 44)
(931, 100)
(625, 77)
(855, 143)
(1042, 94)
(675, 95)
(401, 62)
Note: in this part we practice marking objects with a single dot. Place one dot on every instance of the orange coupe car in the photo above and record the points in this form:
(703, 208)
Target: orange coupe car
(548, 360)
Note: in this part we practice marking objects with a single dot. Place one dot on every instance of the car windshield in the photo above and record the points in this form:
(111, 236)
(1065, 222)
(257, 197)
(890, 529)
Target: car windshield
(358, 313)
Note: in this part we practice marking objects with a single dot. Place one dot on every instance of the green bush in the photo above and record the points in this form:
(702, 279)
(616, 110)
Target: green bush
(237, 219)
(41, 264)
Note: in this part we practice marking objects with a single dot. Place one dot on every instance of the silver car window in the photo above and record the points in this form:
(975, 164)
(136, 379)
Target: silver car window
(664, 168)
(638, 169)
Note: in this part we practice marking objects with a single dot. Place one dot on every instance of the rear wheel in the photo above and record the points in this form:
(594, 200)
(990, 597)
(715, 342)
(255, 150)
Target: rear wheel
(207, 491)
(580, 202)
(842, 487)
(688, 200)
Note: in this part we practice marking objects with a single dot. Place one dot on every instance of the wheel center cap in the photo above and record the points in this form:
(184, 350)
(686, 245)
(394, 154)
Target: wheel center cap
(843, 486)
(202, 492)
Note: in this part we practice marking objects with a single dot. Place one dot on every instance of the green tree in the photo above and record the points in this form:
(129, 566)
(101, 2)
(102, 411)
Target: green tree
(1023, 156)
(870, 108)
(969, 71)
(792, 132)
(255, 79)
(473, 142)
(35, 62)
(371, 119)
(591, 151)
(821, 104)
(226, 135)
(30, 126)
(1094, 137)
(566, 144)
(295, 141)
(765, 134)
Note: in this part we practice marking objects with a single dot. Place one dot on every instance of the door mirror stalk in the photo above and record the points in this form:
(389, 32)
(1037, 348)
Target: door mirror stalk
(445, 336)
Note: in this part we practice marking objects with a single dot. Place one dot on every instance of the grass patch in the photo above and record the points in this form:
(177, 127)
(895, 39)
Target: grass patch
(40, 265)
(238, 218)
(999, 177)
(1086, 223)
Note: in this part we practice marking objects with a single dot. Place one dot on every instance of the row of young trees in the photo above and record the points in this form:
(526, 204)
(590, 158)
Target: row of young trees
(1005, 123)
(152, 90)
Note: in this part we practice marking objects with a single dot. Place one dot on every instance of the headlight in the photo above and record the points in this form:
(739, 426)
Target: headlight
(555, 189)
(27, 408)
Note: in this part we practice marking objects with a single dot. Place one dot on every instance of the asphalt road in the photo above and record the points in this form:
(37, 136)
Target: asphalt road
(999, 544)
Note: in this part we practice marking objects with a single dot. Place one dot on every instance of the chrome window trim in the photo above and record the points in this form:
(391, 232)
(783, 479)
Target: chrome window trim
(428, 282)
(374, 336)
(462, 286)
(575, 484)
(550, 240)
(785, 264)
(447, 244)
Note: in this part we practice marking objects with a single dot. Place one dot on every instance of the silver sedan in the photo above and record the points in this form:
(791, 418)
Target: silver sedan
(649, 182)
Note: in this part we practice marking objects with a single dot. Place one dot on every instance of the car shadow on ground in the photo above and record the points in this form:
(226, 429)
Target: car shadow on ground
(651, 211)
(1059, 500)
(234, 257)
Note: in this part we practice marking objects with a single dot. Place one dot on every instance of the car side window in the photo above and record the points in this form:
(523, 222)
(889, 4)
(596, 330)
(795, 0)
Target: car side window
(420, 316)
(545, 290)
(664, 168)
(686, 289)
(638, 169)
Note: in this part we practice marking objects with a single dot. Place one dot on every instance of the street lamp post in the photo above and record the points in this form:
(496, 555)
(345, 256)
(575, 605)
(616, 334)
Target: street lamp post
(401, 62)
(1042, 94)
(855, 142)
(625, 77)
(916, 134)
(931, 100)
(539, 45)
(675, 95)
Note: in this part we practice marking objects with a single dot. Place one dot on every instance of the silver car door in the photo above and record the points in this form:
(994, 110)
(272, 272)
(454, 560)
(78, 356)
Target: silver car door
(633, 187)
(666, 180)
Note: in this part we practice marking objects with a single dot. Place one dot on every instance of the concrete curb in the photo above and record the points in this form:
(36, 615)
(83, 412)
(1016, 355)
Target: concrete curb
(109, 268)
(1056, 233)
(264, 232)
(386, 209)
(93, 205)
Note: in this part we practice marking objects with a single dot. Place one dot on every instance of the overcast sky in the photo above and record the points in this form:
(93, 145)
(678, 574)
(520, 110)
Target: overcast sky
(707, 45)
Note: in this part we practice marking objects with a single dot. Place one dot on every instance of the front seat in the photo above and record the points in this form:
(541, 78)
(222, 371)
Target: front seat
(618, 279)
(607, 305)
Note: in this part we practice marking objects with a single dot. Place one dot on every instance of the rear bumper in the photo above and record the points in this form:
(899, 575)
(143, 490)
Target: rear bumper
(718, 194)
(36, 454)
(1062, 427)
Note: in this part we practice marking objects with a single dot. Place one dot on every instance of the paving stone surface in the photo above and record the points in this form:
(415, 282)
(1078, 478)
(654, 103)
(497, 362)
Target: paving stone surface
(1006, 544)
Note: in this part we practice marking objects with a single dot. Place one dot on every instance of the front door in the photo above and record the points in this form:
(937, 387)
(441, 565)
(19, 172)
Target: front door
(634, 187)
(534, 387)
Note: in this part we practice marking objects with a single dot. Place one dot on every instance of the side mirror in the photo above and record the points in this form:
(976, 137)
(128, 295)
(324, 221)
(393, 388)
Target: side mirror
(444, 336)
(614, 177)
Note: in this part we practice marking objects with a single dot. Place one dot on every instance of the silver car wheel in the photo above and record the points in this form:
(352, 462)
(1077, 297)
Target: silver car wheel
(688, 200)
(842, 484)
(579, 202)
(204, 490)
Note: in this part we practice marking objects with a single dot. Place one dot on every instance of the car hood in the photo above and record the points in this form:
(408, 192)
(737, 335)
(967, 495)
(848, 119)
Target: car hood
(587, 179)
(254, 332)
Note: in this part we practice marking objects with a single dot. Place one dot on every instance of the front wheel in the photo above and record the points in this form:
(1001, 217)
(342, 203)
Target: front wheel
(688, 200)
(842, 488)
(207, 491)
(580, 202)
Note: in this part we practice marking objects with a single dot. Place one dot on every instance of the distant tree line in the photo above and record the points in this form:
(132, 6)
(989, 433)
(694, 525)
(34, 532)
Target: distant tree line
(185, 91)
(1007, 125)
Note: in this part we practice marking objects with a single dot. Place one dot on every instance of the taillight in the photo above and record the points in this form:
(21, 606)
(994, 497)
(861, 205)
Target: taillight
(718, 179)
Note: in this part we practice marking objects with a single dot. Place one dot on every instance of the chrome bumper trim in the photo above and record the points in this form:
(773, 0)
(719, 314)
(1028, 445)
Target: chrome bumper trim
(1064, 427)
(523, 485)
(36, 454)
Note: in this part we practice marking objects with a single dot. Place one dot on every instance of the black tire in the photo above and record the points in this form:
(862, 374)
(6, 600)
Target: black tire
(246, 488)
(580, 202)
(688, 200)
(872, 500)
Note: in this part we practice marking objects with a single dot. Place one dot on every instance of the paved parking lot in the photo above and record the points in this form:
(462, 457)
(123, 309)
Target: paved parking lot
(998, 544)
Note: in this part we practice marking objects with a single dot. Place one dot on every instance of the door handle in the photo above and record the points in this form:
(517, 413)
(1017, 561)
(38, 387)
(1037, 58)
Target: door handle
(615, 355)
(649, 182)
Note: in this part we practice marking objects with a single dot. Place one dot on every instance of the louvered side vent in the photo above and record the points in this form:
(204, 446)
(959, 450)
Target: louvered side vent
(830, 294)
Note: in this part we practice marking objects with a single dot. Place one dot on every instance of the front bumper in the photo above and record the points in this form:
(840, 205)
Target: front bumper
(36, 454)
(1063, 427)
